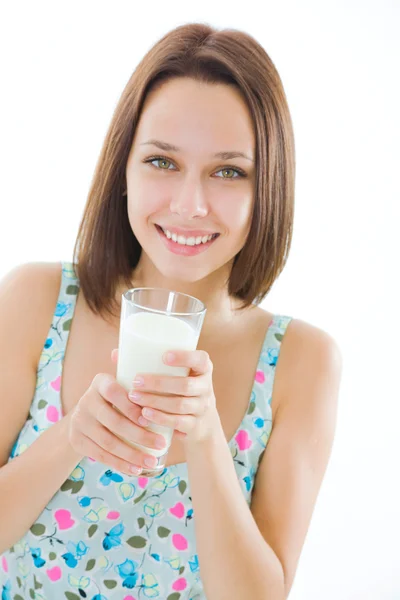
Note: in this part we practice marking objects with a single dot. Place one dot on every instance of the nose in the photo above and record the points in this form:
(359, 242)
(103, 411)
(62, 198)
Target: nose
(189, 200)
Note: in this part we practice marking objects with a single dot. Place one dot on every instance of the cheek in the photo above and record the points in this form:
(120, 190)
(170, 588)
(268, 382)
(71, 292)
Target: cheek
(235, 213)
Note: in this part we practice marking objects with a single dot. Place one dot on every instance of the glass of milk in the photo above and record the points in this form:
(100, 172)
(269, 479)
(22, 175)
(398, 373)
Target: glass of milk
(153, 321)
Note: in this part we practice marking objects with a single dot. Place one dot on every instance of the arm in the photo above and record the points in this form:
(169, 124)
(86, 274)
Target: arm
(49, 460)
(29, 289)
(235, 560)
(254, 554)
(294, 464)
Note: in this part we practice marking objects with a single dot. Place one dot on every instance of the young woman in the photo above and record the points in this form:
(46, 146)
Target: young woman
(193, 192)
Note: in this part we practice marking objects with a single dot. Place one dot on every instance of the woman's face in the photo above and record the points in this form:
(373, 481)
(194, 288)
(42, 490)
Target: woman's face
(176, 183)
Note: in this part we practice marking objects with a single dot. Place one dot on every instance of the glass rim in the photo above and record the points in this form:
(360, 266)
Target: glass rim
(165, 312)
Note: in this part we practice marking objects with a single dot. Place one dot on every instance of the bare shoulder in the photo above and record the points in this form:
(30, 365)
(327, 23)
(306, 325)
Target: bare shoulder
(307, 352)
(293, 466)
(28, 296)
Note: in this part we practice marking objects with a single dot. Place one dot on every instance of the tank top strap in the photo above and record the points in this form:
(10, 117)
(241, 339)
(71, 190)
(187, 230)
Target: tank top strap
(269, 355)
(255, 430)
(46, 404)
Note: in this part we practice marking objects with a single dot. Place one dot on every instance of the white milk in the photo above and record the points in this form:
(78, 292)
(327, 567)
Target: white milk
(144, 338)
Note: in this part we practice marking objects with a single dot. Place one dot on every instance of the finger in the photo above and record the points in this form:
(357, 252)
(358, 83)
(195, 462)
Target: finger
(117, 423)
(197, 360)
(111, 391)
(90, 448)
(180, 405)
(119, 449)
(182, 423)
(169, 384)
(114, 355)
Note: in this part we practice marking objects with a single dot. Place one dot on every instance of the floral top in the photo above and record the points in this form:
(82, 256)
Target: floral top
(105, 535)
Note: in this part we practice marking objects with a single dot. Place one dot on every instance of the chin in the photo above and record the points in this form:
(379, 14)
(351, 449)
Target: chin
(188, 274)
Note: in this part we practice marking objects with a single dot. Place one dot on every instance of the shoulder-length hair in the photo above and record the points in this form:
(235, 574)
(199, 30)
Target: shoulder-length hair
(106, 251)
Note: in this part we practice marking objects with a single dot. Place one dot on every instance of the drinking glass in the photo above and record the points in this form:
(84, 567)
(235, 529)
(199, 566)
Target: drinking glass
(154, 320)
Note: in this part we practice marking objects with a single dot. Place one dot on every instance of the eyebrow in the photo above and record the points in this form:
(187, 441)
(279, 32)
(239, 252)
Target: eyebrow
(171, 148)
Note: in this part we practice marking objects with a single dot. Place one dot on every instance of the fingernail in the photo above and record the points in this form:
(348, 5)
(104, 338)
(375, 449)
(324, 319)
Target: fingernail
(134, 395)
(138, 381)
(169, 357)
(150, 462)
(143, 421)
(135, 469)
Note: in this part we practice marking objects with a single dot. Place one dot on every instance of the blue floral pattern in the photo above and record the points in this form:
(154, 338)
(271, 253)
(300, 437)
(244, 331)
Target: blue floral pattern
(105, 535)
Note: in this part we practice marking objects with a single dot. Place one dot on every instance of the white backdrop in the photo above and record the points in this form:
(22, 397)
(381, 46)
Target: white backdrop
(63, 67)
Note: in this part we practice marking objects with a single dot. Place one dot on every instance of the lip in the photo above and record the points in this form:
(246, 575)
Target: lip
(180, 249)
(188, 232)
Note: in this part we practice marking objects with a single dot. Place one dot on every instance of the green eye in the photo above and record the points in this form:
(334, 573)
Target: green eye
(161, 160)
(235, 172)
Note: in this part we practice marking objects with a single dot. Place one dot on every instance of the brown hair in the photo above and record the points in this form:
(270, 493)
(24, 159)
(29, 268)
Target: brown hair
(106, 250)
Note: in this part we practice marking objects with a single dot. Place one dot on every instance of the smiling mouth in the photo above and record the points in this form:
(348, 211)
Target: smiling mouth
(190, 241)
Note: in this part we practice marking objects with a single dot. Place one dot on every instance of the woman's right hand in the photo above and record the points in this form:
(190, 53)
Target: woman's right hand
(95, 424)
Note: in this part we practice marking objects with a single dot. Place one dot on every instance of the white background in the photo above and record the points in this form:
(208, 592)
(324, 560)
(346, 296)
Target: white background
(63, 67)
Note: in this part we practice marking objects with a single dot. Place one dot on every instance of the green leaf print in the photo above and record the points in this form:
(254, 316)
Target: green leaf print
(42, 404)
(72, 290)
(163, 532)
(52, 556)
(90, 564)
(251, 408)
(110, 583)
(67, 325)
(32, 593)
(67, 485)
(136, 541)
(37, 583)
(92, 530)
(72, 596)
(181, 570)
(182, 486)
(138, 499)
(141, 522)
(279, 337)
(74, 486)
(174, 596)
(18, 597)
(38, 529)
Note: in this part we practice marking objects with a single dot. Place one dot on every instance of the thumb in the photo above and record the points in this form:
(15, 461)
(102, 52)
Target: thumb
(114, 355)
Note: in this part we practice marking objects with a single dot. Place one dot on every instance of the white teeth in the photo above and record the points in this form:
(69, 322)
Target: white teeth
(191, 241)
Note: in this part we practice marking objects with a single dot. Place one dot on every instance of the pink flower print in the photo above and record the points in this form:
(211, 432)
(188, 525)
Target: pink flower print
(260, 377)
(142, 482)
(178, 510)
(179, 541)
(63, 518)
(56, 384)
(54, 574)
(179, 584)
(4, 564)
(52, 414)
(243, 440)
(129, 597)
(113, 514)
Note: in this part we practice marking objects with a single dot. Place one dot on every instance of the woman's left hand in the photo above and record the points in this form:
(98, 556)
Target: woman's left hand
(188, 403)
